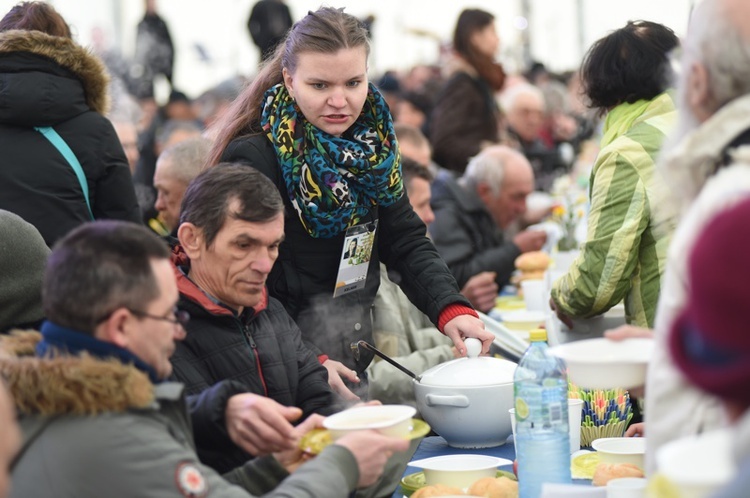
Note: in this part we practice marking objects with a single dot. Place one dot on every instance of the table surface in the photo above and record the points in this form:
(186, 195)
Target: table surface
(436, 446)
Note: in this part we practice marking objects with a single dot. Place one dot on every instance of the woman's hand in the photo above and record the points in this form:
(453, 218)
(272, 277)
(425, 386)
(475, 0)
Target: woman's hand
(464, 326)
(337, 370)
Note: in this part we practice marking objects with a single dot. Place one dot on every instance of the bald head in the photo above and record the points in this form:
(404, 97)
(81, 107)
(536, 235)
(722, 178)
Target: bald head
(502, 178)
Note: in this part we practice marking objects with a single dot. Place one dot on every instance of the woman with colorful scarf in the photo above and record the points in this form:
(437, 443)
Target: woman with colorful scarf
(313, 124)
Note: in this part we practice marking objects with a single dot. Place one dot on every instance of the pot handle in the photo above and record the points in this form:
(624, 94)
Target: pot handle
(457, 400)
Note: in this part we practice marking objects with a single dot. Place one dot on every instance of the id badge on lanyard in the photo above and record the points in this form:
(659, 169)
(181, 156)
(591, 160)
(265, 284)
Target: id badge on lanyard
(355, 258)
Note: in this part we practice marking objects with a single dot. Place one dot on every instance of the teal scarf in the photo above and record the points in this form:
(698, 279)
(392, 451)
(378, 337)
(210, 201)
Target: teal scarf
(333, 182)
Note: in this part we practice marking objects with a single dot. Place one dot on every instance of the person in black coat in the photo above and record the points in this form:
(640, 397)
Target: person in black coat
(329, 148)
(47, 80)
(268, 23)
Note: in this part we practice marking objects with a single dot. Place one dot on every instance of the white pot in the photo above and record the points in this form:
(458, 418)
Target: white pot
(467, 400)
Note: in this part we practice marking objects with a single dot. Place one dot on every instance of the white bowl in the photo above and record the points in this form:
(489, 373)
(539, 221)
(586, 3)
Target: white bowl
(614, 450)
(605, 364)
(698, 465)
(460, 471)
(523, 320)
(391, 420)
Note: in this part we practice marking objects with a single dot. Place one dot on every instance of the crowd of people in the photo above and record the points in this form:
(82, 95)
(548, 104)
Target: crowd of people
(182, 284)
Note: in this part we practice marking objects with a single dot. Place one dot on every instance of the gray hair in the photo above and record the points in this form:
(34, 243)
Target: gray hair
(718, 42)
(509, 97)
(187, 159)
(488, 167)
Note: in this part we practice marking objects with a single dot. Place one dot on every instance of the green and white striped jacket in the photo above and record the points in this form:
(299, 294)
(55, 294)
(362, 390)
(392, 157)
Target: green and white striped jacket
(626, 247)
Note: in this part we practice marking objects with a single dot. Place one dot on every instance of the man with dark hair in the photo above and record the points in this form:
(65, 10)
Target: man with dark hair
(96, 416)
(625, 75)
(244, 362)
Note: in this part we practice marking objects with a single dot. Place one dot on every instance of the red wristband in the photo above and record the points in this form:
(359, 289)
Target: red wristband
(452, 311)
(323, 358)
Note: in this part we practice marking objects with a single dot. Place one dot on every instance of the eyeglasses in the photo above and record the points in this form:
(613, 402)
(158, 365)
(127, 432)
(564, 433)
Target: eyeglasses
(181, 317)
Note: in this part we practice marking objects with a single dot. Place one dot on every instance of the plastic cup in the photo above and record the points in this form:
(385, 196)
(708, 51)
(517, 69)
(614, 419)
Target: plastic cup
(534, 293)
(575, 408)
(512, 413)
(627, 487)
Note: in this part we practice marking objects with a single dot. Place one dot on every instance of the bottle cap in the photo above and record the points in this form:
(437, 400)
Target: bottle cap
(538, 335)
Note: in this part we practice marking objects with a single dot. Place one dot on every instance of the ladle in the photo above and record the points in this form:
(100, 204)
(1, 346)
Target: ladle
(366, 345)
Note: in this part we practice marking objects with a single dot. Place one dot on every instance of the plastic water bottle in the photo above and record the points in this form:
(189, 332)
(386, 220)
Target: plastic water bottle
(540, 387)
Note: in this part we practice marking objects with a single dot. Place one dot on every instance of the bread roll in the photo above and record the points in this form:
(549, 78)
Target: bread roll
(605, 472)
(494, 487)
(437, 490)
(532, 261)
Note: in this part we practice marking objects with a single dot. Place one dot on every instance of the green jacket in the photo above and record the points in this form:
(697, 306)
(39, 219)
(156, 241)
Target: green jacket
(626, 247)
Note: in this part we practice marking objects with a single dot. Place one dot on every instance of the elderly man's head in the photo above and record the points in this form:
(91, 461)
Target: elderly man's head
(231, 226)
(715, 65)
(524, 109)
(113, 280)
(502, 179)
(175, 169)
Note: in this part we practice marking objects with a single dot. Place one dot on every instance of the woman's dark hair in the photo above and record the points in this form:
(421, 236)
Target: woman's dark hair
(36, 16)
(628, 65)
(469, 22)
(327, 30)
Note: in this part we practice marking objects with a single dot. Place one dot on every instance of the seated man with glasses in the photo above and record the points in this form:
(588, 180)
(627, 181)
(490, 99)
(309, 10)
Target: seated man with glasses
(98, 419)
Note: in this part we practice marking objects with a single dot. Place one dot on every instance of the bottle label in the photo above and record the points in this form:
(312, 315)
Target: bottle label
(555, 412)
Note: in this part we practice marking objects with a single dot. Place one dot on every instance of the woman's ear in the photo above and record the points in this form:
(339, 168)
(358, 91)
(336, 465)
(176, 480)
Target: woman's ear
(191, 239)
(288, 81)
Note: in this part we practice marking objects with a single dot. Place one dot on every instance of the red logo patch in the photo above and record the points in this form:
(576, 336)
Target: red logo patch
(190, 480)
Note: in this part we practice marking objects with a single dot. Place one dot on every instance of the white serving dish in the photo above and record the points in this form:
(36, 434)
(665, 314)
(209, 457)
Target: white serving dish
(461, 400)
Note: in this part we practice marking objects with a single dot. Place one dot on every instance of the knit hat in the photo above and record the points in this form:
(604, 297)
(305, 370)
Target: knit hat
(710, 340)
(23, 256)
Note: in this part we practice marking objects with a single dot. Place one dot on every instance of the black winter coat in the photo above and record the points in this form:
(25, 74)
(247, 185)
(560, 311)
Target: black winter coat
(51, 81)
(304, 275)
(466, 234)
(259, 351)
(465, 116)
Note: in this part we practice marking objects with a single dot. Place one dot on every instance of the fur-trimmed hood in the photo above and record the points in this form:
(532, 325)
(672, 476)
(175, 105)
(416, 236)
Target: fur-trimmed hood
(69, 385)
(82, 63)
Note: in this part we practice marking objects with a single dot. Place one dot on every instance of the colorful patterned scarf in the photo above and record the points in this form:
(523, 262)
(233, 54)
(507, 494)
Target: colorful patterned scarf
(331, 181)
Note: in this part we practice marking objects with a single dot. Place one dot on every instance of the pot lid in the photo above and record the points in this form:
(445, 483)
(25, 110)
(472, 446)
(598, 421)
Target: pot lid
(470, 372)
